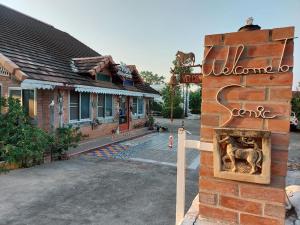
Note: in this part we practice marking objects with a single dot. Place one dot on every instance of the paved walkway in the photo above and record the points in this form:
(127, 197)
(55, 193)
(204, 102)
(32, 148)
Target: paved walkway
(151, 148)
(87, 145)
(143, 145)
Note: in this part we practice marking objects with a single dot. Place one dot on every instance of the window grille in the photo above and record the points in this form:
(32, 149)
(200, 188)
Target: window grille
(3, 72)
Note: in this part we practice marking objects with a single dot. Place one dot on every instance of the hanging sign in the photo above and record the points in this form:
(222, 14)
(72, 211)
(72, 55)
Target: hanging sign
(195, 78)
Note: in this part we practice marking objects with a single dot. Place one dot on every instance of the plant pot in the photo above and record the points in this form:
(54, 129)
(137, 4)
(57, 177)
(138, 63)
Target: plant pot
(64, 156)
(2, 164)
(47, 158)
(9, 166)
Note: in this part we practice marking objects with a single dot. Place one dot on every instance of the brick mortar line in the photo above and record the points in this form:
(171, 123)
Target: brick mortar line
(209, 61)
(250, 86)
(252, 200)
(264, 216)
(240, 212)
(273, 102)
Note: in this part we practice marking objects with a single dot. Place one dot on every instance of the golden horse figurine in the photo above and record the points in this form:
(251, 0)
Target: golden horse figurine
(185, 59)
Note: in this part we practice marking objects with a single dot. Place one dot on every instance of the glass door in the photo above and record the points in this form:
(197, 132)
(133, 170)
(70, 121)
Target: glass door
(123, 112)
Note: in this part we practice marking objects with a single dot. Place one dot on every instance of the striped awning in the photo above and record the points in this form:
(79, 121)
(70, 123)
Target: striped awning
(47, 85)
(38, 84)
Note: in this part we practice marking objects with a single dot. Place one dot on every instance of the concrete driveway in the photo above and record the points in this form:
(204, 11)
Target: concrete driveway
(91, 191)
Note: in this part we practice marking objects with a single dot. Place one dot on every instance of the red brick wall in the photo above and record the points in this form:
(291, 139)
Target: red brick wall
(104, 129)
(6, 82)
(43, 114)
(241, 202)
(44, 98)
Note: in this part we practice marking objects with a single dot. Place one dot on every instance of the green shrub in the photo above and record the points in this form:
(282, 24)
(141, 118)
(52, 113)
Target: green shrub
(155, 106)
(177, 112)
(21, 142)
(24, 144)
(296, 105)
(63, 139)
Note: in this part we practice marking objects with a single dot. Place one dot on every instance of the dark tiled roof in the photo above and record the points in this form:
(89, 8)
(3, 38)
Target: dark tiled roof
(40, 50)
(146, 88)
(86, 64)
(44, 52)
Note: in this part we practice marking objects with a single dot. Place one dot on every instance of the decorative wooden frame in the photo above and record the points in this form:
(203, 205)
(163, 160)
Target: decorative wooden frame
(262, 178)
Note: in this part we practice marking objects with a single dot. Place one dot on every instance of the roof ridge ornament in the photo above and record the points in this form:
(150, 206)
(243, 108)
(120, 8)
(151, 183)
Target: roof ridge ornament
(249, 25)
(124, 71)
(249, 21)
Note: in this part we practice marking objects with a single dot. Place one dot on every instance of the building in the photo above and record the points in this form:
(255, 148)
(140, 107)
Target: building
(60, 81)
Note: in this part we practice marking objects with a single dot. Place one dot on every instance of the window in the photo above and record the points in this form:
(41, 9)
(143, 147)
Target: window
(105, 105)
(103, 77)
(85, 106)
(134, 106)
(127, 82)
(16, 93)
(108, 105)
(101, 105)
(0, 98)
(79, 106)
(26, 98)
(28, 102)
(74, 105)
(138, 106)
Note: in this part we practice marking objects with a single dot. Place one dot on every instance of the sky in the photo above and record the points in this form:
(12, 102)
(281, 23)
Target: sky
(148, 33)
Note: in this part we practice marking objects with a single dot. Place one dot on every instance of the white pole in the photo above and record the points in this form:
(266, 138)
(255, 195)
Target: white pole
(180, 191)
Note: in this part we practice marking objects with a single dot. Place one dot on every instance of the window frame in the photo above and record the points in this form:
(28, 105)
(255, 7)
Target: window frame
(79, 113)
(4, 72)
(137, 107)
(103, 74)
(143, 105)
(104, 107)
(21, 89)
(1, 91)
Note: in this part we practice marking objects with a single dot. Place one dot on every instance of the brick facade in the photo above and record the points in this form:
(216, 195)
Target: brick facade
(241, 202)
(44, 98)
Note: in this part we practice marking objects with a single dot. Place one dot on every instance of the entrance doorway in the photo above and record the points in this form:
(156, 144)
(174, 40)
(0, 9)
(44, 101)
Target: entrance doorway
(124, 113)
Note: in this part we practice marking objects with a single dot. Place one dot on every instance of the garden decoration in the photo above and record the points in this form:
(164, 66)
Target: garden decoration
(187, 60)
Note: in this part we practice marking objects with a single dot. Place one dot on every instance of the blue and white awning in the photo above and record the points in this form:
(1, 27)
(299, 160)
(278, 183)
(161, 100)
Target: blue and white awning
(38, 84)
(47, 85)
(100, 90)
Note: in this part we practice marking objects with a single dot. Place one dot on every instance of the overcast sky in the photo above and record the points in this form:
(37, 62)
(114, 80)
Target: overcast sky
(148, 33)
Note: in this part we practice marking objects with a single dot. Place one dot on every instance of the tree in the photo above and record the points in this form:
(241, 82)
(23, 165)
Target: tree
(177, 99)
(151, 78)
(178, 70)
(296, 103)
(195, 101)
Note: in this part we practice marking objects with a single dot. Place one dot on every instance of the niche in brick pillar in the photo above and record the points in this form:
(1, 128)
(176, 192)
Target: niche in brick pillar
(246, 93)
(242, 154)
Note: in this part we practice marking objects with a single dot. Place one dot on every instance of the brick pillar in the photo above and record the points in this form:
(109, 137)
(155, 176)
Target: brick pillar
(235, 201)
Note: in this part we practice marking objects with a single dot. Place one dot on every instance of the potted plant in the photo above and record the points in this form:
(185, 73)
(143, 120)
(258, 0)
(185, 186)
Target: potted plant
(151, 123)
